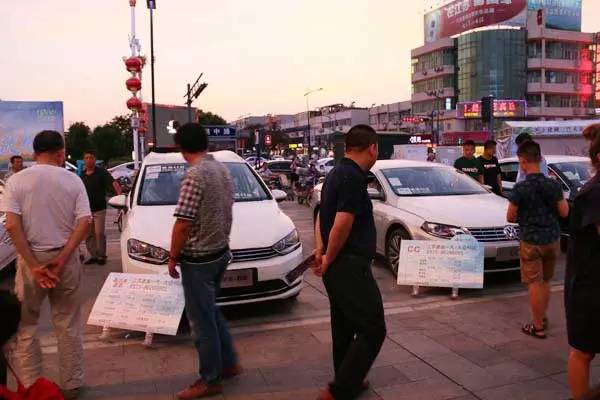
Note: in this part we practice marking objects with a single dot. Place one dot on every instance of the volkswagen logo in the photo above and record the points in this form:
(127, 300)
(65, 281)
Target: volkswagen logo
(511, 232)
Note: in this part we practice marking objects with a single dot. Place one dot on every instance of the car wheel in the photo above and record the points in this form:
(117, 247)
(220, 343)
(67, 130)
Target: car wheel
(392, 248)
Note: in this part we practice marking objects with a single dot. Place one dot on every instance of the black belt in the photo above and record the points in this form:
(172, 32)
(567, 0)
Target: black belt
(204, 259)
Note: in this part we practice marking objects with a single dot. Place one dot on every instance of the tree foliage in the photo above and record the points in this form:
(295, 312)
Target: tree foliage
(77, 139)
(209, 118)
(108, 142)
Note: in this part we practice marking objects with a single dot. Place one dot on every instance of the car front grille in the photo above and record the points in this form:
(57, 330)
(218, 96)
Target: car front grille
(497, 234)
(253, 254)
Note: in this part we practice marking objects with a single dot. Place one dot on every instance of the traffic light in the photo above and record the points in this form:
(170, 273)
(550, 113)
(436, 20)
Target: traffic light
(487, 109)
(540, 17)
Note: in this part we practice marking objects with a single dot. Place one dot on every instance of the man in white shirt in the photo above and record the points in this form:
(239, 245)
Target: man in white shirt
(47, 216)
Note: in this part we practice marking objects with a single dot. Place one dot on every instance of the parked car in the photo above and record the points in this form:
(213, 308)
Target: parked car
(252, 160)
(264, 242)
(123, 170)
(324, 165)
(280, 167)
(8, 253)
(414, 200)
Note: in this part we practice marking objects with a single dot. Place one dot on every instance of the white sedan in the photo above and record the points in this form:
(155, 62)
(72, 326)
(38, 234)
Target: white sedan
(427, 201)
(267, 253)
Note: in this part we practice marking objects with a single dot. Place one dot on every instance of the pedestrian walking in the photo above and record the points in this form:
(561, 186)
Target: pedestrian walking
(468, 163)
(200, 244)
(16, 165)
(48, 215)
(522, 174)
(582, 280)
(537, 204)
(10, 310)
(345, 248)
(97, 182)
(491, 167)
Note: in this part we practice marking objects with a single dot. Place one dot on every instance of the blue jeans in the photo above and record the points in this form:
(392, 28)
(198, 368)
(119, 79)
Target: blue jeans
(201, 285)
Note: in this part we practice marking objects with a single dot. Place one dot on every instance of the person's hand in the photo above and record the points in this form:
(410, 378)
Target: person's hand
(172, 270)
(316, 266)
(56, 266)
(44, 277)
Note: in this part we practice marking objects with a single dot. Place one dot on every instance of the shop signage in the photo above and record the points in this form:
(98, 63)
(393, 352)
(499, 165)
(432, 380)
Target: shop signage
(220, 131)
(502, 109)
(456, 263)
(463, 15)
(139, 302)
(268, 140)
(560, 14)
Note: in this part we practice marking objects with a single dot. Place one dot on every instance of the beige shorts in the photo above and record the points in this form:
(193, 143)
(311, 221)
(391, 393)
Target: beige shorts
(538, 262)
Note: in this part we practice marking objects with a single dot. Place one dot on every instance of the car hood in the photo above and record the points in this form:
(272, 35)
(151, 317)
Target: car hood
(472, 211)
(255, 224)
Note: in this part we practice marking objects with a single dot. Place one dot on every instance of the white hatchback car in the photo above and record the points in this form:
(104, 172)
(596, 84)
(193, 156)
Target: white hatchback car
(264, 242)
(429, 201)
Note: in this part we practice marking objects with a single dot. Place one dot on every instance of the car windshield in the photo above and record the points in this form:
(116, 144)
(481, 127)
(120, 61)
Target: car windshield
(576, 173)
(161, 183)
(431, 181)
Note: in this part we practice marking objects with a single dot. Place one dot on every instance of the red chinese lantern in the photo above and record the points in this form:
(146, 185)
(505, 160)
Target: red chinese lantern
(133, 84)
(134, 64)
(132, 3)
(142, 130)
(134, 104)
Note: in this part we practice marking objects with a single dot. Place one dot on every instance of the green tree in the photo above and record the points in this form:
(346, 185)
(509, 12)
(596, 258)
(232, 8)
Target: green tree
(122, 124)
(107, 141)
(77, 139)
(208, 118)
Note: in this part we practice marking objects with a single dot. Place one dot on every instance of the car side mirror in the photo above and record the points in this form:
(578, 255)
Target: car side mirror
(119, 202)
(375, 194)
(279, 195)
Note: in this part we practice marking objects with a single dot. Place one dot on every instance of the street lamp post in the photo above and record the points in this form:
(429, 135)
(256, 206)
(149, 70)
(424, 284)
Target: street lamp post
(152, 6)
(308, 93)
(193, 91)
(436, 94)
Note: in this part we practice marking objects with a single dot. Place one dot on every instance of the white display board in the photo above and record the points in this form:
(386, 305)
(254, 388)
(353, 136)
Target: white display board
(414, 152)
(448, 154)
(139, 302)
(456, 263)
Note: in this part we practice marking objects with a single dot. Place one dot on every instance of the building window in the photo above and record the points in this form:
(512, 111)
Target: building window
(534, 76)
(433, 60)
(534, 100)
(564, 51)
(534, 50)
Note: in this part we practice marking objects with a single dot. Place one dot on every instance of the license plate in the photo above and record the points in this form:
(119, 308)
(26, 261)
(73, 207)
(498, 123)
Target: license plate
(238, 278)
(507, 253)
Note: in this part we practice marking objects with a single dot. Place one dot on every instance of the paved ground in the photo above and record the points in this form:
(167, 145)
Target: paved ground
(435, 348)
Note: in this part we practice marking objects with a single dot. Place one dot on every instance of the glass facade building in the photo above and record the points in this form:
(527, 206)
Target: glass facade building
(492, 62)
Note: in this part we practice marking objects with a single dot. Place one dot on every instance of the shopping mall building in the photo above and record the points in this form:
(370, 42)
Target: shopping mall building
(529, 54)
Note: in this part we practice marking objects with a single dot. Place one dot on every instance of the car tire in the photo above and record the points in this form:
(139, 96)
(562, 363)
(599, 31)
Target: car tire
(392, 248)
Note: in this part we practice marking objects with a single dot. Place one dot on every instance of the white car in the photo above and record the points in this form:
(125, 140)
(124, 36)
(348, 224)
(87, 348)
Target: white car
(267, 253)
(125, 170)
(414, 200)
(325, 165)
(8, 253)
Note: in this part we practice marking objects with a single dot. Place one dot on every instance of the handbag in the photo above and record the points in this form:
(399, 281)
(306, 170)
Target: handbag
(42, 389)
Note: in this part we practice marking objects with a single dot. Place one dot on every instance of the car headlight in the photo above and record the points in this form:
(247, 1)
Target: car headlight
(288, 244)
(442, 230)
(146, 252)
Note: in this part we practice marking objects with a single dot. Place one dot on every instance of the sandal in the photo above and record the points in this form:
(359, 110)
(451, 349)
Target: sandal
(531, 330)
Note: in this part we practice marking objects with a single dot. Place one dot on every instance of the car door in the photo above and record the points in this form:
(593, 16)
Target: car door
(380, 210)
(508, 173)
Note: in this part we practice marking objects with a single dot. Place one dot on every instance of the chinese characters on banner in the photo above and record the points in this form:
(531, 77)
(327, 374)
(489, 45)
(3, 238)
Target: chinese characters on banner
(139, 302)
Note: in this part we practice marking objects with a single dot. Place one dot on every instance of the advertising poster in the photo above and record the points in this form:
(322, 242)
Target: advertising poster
(560, 14)
(463, 15)
(20, 121)
(456, 263)
(139, 302)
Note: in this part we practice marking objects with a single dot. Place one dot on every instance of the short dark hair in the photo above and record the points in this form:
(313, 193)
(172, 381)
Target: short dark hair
(469, 143)
(591, 132)
(10, 309)
(13, 158)
(191, 138)
(489, 143)
(90, 151)
(530, 151)
(594, 151)
(523, 137)
(359, 137)
(48, 142)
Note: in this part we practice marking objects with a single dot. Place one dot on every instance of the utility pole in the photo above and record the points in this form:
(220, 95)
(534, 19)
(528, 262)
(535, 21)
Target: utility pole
(193, 91)
(308, 93)
(152, 6)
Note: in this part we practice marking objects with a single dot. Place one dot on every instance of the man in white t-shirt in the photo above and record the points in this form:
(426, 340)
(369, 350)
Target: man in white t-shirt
(47, 216)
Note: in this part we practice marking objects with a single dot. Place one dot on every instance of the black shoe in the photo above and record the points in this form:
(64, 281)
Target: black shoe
(90, 261)
(101, 261)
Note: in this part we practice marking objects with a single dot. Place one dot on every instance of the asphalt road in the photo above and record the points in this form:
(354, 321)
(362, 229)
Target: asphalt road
(312, 301)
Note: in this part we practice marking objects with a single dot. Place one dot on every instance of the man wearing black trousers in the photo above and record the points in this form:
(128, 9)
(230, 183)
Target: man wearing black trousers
(345, 248)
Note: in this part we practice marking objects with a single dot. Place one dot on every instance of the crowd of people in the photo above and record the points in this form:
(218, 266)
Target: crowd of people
(50, 211)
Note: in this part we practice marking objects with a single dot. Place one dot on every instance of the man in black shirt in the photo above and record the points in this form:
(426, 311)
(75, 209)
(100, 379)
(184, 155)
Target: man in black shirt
(491, 168)
(345, 239)
(97, 180)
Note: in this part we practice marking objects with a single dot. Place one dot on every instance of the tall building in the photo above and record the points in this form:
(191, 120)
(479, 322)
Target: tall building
(529, 54)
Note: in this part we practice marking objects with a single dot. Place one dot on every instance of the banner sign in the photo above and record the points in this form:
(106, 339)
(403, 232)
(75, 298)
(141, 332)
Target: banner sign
(139, 302)
(463, 15)
(560, 14)
(502, 109)
(220, 131)
(20, 121)
(456, 263)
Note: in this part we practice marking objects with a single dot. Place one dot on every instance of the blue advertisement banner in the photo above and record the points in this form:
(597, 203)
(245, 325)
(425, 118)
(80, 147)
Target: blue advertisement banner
(20, 121)
(560, 14)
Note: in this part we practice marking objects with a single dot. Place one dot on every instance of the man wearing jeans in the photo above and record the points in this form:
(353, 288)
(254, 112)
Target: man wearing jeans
(200, 244)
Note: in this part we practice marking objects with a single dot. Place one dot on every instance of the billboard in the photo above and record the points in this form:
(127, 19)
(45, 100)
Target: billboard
(20, 121)
(560, 14)
(463, 15)
(168, 118)
(502, 109)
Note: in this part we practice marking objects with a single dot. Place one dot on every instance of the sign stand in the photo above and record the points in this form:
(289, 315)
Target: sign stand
(454, 295)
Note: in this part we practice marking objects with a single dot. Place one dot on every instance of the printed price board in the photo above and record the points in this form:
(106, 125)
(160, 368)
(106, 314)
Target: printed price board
(139, 302)
(456, 263)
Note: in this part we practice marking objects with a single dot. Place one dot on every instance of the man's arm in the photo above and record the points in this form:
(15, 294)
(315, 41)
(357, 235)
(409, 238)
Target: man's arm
(82, 227)
(563, 208)
(500, 184)
(180, 233)
(342, 226)
(511, 213)
(117, 187)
